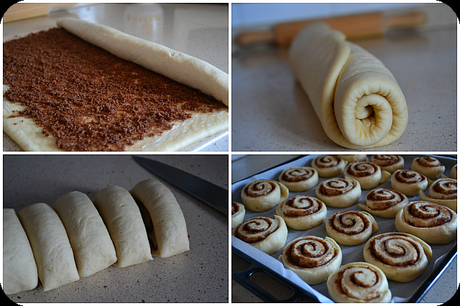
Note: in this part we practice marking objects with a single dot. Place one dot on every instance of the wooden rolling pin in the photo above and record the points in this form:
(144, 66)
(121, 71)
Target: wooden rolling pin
(353, 26)
(21, 11)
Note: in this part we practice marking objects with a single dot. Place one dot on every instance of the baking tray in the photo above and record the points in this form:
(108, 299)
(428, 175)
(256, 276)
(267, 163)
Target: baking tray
(413, 291)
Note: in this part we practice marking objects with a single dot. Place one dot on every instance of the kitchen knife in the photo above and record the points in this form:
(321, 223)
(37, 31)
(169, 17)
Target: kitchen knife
(205, 191)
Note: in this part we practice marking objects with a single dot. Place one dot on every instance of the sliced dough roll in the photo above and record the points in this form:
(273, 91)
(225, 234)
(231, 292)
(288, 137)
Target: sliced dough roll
(50, 245)
(357, 99)
(124, 222)
(168, 221)
(93, 249)
(19, 268)
(175, 65)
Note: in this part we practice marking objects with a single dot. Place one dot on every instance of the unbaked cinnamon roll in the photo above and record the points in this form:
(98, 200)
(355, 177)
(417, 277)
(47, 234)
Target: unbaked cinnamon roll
(409, 182)
(302, 212)
(389, 163)
(238, 212)
(453, 172)
(367, 174)
(261, 195)
(442, 191)
(351, 227)
(312, 258)
(401, 256)
(266, 234)
(429, 166)
(299, 178)
(359, 282)
(328, 165)
(431, 222)
(384, 202)
(339, 192)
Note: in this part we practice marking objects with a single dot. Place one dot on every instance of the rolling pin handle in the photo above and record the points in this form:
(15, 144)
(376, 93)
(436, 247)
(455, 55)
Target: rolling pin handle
(251, 38)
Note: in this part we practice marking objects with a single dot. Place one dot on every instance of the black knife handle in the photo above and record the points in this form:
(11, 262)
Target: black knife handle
(243, 277)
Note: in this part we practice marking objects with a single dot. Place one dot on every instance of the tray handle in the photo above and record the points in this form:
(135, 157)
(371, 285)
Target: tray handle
(243, 277)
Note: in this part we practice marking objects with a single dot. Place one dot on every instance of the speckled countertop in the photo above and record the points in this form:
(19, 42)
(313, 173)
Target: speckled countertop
(199, 275)
(200, 30)
(272, 113)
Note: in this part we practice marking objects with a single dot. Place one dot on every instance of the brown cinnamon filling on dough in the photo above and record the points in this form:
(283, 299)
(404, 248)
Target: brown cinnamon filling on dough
(89, 99)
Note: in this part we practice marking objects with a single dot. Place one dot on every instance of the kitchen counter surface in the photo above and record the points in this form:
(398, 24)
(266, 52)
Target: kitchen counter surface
(200, 30)
(444, 288)
(199, 275)
(272, 113)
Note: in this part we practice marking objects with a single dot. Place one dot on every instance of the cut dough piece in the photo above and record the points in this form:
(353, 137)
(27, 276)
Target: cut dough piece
(302, 212)
(351, 227)
(169, 228)
(175, 65)
(238, 213)
(357, 99)
(262, 194)
(50, 245)
(92, 247)
(124, 222)
(328, 165)
(429, 166)
(299, 178)
(442, 191)
(339, 192)
(19, 268)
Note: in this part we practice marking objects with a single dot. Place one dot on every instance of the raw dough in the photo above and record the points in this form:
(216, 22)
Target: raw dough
(442, 191)
(50, 245)
(312, 258)
(173, 64)
(351, 227)
(384, 202)
(328, 165)
(429, 166)
(359, 282)
(434, 223)
(339, 192)
(401, 256)
(19, 268)
(266, 234)
(389, 163)
(357, 99)
(302, 212)
(124, 222)
(261, 195)
(367, 174)
(92, 247)
(168, 221)
(299, 178)
(238, 213)
(409, 182)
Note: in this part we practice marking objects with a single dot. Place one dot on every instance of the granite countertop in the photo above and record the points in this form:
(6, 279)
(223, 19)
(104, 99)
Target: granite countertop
(200, 30)
(272, 113)
(444, 288)
(199, 275)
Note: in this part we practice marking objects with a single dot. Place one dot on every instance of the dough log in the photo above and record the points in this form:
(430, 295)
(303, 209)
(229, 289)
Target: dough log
(169, 228)
(175, 65)
(93, 249)
(19, 268)
(124, 222)
(357, 99)
(50, 245)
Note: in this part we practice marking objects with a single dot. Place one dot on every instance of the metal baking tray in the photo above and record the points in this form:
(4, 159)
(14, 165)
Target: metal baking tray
(258, 261)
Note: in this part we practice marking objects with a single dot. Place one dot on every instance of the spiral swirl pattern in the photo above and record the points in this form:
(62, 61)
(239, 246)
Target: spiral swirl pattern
(428, 161)
(260, 188)
(261, 195)
(443, 188)
(328, 165)
(301, 205)
(390, 163)
(402, 257)
(359, 282)
(351, 227)
(312, 258)
(256, 229)
(431, 222)
(361, 169)
(429, 166)
(299, 178)
(409, 182)
(238, 213)
(339, 192)
(384, 202)
(409, 177)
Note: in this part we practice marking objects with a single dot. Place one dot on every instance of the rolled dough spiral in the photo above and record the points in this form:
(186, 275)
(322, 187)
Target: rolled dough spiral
(312, 258)
(261, 195)
(359, 282)
(401, 256)
(266, 234)
(356, 98)
(351, 227)
(328, 165)
(443, 191)
(299, 178)
(384, 202)
(429, 166)
(389, 163)
(339, 192)
(431, 222)
(367, 174)
(238, 213)
(409, 182)
(302, 212)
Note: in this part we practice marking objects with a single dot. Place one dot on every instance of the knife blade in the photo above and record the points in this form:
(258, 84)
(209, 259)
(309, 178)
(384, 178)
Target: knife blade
(209, 193)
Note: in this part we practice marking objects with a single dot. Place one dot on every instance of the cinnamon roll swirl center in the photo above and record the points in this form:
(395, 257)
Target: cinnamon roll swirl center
(409, 176)
(327, 161)
(336, 186)
(350, 223)
(362, 169)
(425, 214)
(311, 253)
(297, 174)
(385, 160)
(256, 229)
(301, 205)
(260, 188)
(396, 250)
